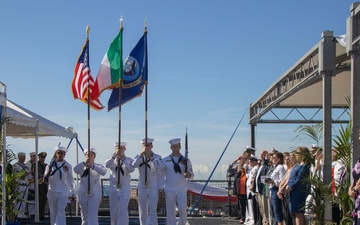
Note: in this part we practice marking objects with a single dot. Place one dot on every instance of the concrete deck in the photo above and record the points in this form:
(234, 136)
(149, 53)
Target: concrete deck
(105, 220)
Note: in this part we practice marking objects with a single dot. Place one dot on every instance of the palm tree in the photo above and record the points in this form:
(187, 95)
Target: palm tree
(320, 191)
(12, 180)
(343, 146)
(313, 132)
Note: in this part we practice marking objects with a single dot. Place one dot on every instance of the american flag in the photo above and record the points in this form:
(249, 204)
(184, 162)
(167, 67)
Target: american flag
(82, 78)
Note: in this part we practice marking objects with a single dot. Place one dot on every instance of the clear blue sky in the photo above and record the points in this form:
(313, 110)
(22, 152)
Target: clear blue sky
(208, 60)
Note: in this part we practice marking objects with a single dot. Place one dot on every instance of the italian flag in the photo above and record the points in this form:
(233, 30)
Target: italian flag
(111, 69)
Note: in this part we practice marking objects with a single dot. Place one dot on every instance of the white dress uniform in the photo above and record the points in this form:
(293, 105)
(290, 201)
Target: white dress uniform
(89, 203)
(176, 188)
(31, 189)
(61, 184)
(31, 177)
(23, 187)
(149, 194)
(251, 176)
(119, 196)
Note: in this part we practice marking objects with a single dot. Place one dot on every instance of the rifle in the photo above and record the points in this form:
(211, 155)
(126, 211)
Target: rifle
(46, 178)
(186, 152)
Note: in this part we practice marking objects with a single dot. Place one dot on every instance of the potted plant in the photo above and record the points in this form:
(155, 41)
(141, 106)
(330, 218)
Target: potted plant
(13, 196)
(321, 192)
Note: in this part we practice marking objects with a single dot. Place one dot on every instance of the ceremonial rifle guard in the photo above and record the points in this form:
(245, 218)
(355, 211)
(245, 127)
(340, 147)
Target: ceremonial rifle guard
(150, 183)
(89, 190)
(176, 183)
(21, 167)
(61, 184)
(120, 186)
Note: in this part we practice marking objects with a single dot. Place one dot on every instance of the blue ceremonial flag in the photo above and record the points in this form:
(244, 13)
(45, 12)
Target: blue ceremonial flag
(135, 75)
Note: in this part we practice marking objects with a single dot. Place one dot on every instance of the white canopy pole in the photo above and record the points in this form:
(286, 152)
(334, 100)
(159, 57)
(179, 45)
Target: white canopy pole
(3, 160)
(77, 175)
(36, 172)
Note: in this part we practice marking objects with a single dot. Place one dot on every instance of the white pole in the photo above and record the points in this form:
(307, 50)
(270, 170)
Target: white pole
(77, 175)
(36, 187)
(3, 160)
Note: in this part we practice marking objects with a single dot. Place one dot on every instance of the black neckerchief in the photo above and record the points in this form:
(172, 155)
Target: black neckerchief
(176, 165)
(121, 169)
(147, 162)
(22, 166)
(57, 168)
(86, 172)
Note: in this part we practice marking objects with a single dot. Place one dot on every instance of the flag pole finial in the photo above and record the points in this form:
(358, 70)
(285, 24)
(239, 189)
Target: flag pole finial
(121, 22)
(145, 25)
(87, 31)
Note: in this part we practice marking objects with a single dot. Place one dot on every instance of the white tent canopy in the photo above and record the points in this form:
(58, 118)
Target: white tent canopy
(27, 124)
(23, 124)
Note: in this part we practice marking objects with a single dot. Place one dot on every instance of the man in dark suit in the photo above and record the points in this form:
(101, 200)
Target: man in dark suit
(43, 188)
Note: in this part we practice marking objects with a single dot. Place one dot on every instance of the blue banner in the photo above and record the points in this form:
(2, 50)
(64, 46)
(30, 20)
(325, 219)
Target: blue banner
(135, 75)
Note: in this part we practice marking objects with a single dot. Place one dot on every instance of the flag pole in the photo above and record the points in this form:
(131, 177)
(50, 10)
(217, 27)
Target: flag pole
(88, 108)
(119, 116)
(195, 205)
(146, 118)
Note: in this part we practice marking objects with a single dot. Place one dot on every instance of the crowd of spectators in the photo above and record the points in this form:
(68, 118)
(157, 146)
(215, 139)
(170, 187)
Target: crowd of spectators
(276, 189)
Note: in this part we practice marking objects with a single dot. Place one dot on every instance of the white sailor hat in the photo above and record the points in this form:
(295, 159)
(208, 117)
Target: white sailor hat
(91, 149)
(122, 143)
(273, 150)
(32, 153)
(175, 141)
(21, 154)
(314, 147)
(253, 158)
(147, 140)
(248, 148)
(61, 148)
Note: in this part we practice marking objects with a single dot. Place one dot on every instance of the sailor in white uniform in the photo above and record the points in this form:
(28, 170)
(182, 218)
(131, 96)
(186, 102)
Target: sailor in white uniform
(120, 168)
(61, 185)
(150, 183)
(89, 189)
(31, 178)
(21, 167)
(176, 183)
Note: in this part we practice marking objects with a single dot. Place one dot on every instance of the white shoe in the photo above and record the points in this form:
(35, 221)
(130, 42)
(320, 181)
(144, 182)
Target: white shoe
(250, 222)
